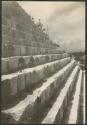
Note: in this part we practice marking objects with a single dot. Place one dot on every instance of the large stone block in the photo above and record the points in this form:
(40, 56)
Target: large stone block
(26, 60)
(9, 88)
(21, 82)
(35, 50)
(14, 86)
(29, 37)
(7, 50)
(42, 59)
(27, 80)
(23, 50)
(4, 68)
(4, 20)
(47, 95)
(43, 51)
(34, 77)
(43, 98)
(41, 74)
(5, 39)
(29, 50)
(17, 50)
(60, 114)
(13, 63)
(3, 51)
(5, 91)
(75, 103)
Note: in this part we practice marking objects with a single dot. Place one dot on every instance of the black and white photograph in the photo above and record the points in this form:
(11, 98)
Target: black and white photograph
(43, 62)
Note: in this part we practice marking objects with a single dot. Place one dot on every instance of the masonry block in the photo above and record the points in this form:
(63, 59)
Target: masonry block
(3, 53)
(29, 37)
(27, 79)
(43, 98)
(23, 50)
(17, 50)
(41, 74)
(35, 50)
(14, 86)
(61, 113)
(9, 87)
(4, 68)
(21, 82)
(42, 59)
(5, 91)
(47, 95)
(26, 60)
(34, 77)
(29, 50)
(8, 50)
(12, 64)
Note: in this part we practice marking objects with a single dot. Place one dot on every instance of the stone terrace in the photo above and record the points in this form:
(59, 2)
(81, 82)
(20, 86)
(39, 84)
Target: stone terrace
(40, 82)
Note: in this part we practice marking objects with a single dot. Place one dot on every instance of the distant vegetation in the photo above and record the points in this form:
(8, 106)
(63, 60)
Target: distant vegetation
(79, 56)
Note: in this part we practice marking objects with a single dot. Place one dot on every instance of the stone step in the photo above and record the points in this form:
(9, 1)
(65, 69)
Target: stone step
(55, 114)
(20, 50)
(75, 102)
(84, 88)
(17, 82)
(8, 65)
(31, 104)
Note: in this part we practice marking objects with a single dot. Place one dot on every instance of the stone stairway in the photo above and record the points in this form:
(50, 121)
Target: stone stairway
(49, 86)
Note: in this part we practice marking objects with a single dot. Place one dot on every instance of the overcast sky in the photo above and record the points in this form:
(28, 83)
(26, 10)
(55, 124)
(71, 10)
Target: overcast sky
(65, 20)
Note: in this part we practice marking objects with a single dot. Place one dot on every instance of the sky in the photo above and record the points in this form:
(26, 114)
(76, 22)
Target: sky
(65, 20)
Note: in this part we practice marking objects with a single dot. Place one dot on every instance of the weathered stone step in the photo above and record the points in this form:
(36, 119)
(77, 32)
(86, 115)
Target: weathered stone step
(32, 103)
(84, 88)
(75, 103)
(8, 65)
(56, 112)
(48, 104)
(80, 116)
(81, 109)
(20, 50)
(68, 108)
(17, 82)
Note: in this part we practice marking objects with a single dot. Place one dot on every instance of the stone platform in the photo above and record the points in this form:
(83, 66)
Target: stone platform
(41, 83)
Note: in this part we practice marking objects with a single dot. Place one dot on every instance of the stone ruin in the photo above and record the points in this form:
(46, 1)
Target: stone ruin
(40, 82)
